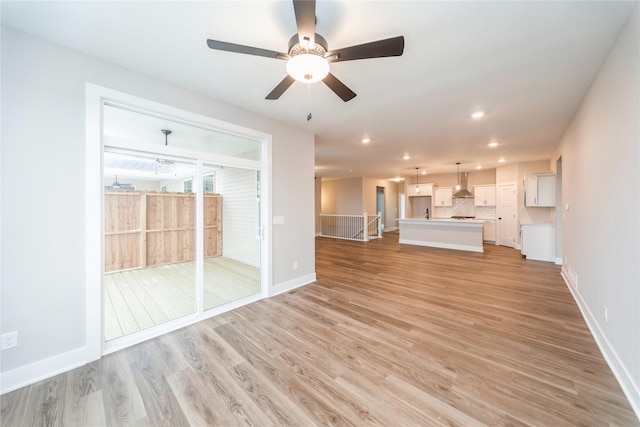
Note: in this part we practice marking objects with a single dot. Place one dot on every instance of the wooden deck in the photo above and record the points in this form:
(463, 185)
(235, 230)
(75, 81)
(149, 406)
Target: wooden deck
(389, 335)
(138, 299)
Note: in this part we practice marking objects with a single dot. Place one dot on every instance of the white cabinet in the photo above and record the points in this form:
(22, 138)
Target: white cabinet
(425, 190)
(444, 196)
(489, 231)
(539, 241)
(484, 195)
(540, 190)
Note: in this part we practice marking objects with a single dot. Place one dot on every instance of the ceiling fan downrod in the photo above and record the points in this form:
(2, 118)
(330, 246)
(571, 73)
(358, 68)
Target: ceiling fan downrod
(166, 132)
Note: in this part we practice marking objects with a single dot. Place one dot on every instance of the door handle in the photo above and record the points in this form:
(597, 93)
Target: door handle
(499, 218)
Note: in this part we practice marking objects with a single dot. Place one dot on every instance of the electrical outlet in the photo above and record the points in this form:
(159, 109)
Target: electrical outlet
(606, 314)
(295, 265)
(9, 340)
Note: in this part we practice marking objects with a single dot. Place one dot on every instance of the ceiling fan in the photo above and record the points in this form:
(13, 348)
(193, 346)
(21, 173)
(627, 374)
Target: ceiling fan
(119, 186)
(308, 56)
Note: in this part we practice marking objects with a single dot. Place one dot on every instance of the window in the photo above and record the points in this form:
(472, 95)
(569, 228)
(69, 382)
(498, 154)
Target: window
(188, 185)
(208, 184)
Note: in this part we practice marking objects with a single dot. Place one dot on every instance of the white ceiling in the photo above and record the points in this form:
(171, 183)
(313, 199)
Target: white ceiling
(526, 64)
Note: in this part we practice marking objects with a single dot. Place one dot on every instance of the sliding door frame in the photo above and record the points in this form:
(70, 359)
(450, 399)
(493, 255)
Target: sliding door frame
(96, 97)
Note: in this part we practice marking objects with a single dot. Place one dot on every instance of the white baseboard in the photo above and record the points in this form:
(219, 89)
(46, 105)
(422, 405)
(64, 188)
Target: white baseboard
(628, 385)
(558, 261)
(38, 371)
(292, 284)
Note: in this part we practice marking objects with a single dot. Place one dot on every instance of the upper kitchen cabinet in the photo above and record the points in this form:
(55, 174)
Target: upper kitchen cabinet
(484, 195)
(444, 196)
(540, 190)
(424, 190)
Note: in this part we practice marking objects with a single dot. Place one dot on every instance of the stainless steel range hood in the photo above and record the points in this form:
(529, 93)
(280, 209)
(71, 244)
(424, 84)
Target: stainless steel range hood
(463, 193)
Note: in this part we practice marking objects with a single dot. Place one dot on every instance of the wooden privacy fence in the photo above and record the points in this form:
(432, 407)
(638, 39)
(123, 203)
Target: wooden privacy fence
(145, 228)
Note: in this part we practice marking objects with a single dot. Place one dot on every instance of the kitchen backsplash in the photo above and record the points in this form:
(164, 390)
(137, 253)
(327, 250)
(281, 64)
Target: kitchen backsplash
(464, 207)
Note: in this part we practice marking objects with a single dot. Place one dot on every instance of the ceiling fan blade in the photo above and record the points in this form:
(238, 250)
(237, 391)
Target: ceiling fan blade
(378, 49)
(305, 11)
(339, 88)
(282, 86)
(248, 50)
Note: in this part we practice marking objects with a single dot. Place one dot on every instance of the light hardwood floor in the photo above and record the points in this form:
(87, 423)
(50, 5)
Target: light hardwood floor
(138, 299)
(390, 335)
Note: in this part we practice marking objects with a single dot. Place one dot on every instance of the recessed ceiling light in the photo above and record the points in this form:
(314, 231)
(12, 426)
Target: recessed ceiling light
(493, 144)
(424, 172)
(477, 114)
(366, 140)
(501, 161)
(406, 157)
(478, 167)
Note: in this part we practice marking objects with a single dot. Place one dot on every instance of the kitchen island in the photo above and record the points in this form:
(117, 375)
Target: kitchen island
(464, 235)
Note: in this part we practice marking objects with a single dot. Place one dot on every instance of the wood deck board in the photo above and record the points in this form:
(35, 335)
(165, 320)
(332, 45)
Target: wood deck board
(137, 299)
(411, 338)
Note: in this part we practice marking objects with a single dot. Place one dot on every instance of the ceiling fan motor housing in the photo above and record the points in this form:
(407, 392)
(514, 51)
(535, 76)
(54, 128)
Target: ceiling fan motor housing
(320, 46)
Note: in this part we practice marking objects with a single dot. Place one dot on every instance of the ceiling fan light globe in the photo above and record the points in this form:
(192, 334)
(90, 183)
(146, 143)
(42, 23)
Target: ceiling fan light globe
(308, 68)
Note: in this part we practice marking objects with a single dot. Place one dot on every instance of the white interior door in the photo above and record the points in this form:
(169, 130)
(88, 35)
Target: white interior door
(507, 224)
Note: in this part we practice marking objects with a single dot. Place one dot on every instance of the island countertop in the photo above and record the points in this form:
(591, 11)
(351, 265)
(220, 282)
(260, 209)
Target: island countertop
(460, 234)
(447, 221)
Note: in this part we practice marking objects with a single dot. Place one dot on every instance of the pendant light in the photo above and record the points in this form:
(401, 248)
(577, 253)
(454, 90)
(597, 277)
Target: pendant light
(458, 175)
(417, 181)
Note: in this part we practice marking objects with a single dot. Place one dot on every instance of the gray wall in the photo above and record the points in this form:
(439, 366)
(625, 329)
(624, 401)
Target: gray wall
(600, 154)
(342, 196)
(43, 136)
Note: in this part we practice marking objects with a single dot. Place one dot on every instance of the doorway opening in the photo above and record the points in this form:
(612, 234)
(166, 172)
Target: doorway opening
(559, 210)
(380, 203)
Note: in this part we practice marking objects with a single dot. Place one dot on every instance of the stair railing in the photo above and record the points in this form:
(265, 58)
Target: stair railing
(352, 227)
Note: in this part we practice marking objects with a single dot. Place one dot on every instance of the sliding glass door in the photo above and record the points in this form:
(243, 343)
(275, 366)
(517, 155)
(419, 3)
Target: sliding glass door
(231, 272)
(182, 234)
(149, 241)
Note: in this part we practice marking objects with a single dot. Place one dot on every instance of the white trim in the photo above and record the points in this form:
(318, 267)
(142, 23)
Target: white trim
(441, 245)
(292, 284)
(628, 385)
(559, 261)
(93, 224)
(41, 370)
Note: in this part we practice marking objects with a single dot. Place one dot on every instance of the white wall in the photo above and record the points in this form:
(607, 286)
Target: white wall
(239, 215)
(531, 214)
(43, 130)
(601, 230)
